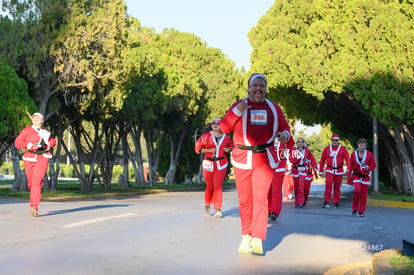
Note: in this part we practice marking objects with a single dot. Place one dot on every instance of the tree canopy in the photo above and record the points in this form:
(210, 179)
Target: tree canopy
(14, 99)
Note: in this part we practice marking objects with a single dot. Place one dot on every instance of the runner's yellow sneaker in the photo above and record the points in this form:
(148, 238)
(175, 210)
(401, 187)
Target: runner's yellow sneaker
(256, 246)
(244, 247)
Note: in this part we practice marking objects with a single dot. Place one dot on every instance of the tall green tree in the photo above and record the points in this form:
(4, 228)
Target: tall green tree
(89, 59)
(14, 99)
(25, 45)
(195, 74)
(345, 62)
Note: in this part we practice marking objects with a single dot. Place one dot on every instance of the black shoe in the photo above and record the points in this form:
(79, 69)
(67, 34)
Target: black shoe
(304, 204)
(354, 212)
(273, 217)
(336, 205)
(326, 205)
(362, 214)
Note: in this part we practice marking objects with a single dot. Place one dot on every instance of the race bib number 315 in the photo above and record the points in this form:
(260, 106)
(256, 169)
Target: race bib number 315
(258, 117)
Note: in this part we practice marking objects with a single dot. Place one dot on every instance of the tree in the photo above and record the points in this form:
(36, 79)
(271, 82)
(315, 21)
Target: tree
(195, 74)
(25, 46)
(89, 59)
(345, 62)
(14, 99)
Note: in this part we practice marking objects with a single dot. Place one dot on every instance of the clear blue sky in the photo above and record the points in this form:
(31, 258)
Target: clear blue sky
(222, 24)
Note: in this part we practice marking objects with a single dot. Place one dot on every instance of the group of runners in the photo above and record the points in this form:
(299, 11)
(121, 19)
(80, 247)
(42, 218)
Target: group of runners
(260, 148)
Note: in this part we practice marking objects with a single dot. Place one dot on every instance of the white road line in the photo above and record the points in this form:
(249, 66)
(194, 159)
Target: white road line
(102, 219)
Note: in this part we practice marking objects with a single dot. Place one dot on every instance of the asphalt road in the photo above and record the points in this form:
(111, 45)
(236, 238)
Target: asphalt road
(167, 234)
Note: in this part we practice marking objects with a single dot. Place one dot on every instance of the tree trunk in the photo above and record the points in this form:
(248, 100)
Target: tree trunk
(174, 156)
(170, 175)
(124, 182)
(46, 182)
(188, 179)
(54, 163)
(135, 133)
(78, 171)
(153, 154)
(24, 186)
(54, 173)
(18, 176)
(404, 180)
(200, 175)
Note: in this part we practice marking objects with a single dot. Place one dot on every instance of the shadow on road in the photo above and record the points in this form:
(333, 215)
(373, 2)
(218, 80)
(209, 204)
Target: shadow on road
(85, 208)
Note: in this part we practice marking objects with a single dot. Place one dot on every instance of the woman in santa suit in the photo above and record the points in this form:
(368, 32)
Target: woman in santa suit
(214, 144)
(255, 122)
(303, 162)
(362, 163)
(37, 143)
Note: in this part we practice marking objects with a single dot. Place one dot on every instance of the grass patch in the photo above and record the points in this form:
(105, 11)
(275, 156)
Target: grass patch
(402, 265)
(390, 194)
(6, 182)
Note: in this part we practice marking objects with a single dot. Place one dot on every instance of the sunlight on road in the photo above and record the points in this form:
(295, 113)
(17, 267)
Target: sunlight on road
(102, 219)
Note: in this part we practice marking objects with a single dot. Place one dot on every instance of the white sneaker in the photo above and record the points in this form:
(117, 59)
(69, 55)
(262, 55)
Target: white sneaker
(218, 213)
(244, 247)
(256, 246)
(290, 196)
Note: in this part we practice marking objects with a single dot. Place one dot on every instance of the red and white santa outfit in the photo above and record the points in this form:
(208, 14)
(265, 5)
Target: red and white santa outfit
(288, 182)
(254, 161)
(359, 176)
(275, 195)
(35, 162)
(214, 166)
(334, 157)
(302, 173)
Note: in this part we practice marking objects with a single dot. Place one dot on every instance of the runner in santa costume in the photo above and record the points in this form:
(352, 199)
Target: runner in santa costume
(334, 157)
(288, 182)
(255, 122)
(312, 173)
(303, 162)
(37, 142)
(275, 195)
(362, 163)
(214, 144)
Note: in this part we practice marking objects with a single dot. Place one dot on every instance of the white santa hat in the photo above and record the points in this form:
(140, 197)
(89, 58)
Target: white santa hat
(38, 114)
(254, 76)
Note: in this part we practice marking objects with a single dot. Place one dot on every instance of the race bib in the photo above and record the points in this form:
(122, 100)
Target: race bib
(258, 117)
(301, 169)
(332, 155)
(208, 165)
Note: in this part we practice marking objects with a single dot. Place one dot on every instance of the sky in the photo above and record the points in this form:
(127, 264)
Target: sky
(222, 24)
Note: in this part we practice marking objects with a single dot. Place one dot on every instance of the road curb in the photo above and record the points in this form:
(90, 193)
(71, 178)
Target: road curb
(390, 204)
(359, 268)
(381, 264)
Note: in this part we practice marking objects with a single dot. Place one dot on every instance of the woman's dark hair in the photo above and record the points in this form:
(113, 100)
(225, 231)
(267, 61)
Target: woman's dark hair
(362, 140)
